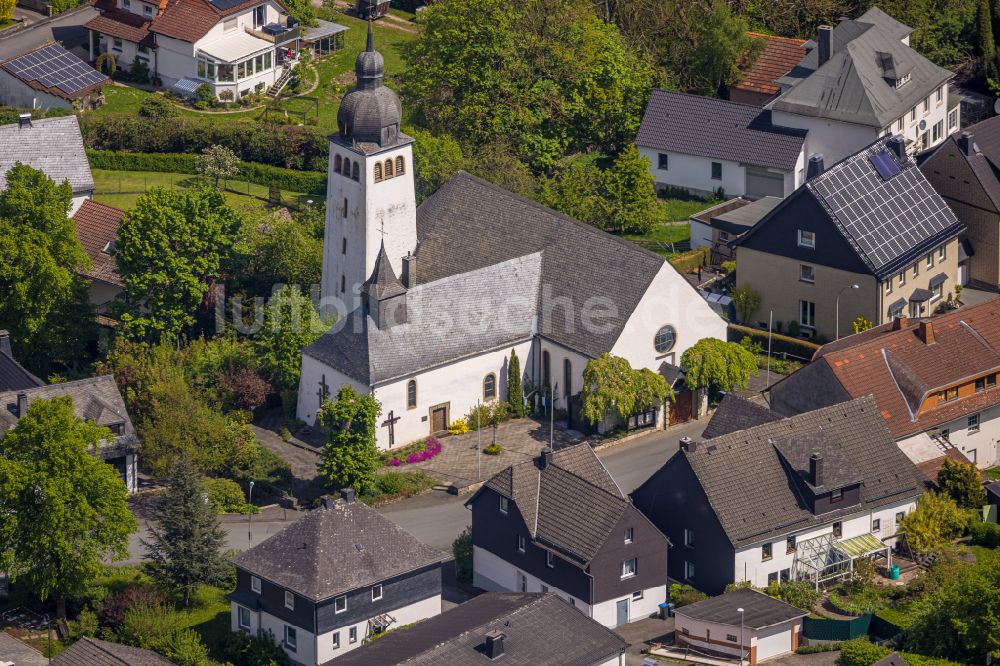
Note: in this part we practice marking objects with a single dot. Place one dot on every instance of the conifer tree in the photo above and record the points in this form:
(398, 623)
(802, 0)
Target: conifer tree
(515, 393)
(987, 45)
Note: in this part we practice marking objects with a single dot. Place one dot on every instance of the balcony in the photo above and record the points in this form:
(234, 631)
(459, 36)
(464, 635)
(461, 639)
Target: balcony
(286, 30)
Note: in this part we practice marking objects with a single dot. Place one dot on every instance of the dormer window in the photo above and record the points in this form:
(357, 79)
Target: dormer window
(905, 78)
(836, 496)
(147, 10)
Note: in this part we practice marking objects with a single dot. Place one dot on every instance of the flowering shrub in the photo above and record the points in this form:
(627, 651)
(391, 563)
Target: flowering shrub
(458, 427)
(424, 451)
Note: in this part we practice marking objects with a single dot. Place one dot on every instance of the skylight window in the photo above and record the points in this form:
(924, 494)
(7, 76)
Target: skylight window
(885, 165)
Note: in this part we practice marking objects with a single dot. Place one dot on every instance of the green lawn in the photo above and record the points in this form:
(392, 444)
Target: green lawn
(682, 209)
(993, 473)
(110, 183)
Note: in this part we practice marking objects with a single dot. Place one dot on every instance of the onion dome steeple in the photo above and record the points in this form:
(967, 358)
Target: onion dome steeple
(370, 112)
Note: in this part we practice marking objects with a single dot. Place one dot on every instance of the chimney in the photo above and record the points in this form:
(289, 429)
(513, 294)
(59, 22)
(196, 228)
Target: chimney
(965, 144)
(5, 344)
(545, 459)
(410, 271)
(347, 494)
(899, 323)
(926, 332)
(22, 404)
(688, 444)
(816, 469)
(824, 43)
(494, 644)
(815, 166)
(898, 146)
(23, 120)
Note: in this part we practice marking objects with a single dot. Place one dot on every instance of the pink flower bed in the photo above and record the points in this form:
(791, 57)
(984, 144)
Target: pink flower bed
(432, 447)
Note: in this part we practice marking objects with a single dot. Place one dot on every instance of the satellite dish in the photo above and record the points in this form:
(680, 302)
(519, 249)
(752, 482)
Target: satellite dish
(996, 107)
(922, 125)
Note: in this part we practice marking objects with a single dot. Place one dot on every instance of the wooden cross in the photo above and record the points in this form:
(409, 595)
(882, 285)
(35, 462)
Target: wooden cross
(324, 390)
(391, 422)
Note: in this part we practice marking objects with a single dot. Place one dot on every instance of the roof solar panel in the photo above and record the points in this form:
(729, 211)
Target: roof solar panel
(885, 165)
(225, 4)
(54, 67)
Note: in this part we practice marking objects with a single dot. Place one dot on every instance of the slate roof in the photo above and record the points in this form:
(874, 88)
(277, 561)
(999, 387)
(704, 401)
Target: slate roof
(887, 222)
(736, 413)
(570, 506)
(14, 377)
(383, 283)
(52, 145)
(469, 224)
(838, 468)
(95, 652)
(853, 86)
(51, 69)
(779, 56)
(970, 179)
(759, 610)
(891, 659)
(717, 128)
(540, 629)
(97, 227)
(334, 549)
(752, 491)
(20, 653)
(447, 319)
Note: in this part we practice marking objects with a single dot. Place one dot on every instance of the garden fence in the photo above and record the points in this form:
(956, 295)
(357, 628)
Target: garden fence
(845, 630)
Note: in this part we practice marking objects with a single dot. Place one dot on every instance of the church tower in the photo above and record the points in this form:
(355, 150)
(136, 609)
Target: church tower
(371, 200)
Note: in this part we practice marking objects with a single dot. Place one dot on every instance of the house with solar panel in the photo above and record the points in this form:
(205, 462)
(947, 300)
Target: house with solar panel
(50, 77)
(869, 236)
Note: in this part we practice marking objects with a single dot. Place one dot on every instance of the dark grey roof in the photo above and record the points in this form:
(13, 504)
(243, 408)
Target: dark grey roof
(322, 29)
(759, 610)
(539, 630)
(383, 282)
(447, 319)
(14, 377)
(751, 490)
(856, 84)
(21, 654)
(335, 549)
(717, 128)
(370, 111)
(838, 469)
(970, 179)
(51, 145)
(470, 224)
(738, 220)
(95, 652)
(736, 413)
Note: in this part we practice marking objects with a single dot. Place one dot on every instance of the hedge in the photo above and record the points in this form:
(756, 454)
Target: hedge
(690, 260)
(780, 344)
(306, 182)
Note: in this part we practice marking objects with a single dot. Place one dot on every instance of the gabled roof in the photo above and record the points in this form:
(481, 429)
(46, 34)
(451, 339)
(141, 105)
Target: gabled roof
(972, 179)
(52, 69)
(759, 610)
(13, 376)
(716, 128)
(856, 84)
(887, 221)
(539, 629)
(570, 506)
(97, 229)
(51, 145)
(337, 548)
(779, 56)
(736, 413)
(122, 24)
(190, 20)
(95, 652)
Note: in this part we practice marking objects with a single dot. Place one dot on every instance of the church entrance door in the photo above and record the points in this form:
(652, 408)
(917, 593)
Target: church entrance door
(680, 408)
(439, 418)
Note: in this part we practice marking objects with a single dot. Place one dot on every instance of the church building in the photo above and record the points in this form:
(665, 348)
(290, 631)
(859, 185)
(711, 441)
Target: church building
(431, 301)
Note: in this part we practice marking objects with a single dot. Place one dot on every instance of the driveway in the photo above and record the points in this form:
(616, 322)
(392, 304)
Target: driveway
(66, 28)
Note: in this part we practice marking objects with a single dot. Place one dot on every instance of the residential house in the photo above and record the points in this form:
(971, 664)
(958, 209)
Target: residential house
(335, 577)
(13, 651)
(51, 145)
(560, 523)
(235, 46)
(758, 84)
(796, 498)
(530, 629)
(432, 300)
(869, 236)
(963, 171)
(744, 623)
(709, 147)
(859, 81)
(97, 230)
(96, 399)
(718, 226)
(934, 382)
(50, 77)
(95, 652)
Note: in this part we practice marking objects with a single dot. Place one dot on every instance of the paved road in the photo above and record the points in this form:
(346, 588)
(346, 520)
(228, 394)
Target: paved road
(67, 29)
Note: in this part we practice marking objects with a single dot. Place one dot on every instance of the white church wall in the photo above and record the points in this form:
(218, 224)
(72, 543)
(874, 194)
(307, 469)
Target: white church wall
(313, 373)
(558, 355)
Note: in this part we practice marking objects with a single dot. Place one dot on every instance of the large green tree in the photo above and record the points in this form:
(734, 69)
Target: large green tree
(185, 540)
(350, 456)
(612, 387)
(436, 157)
(935, 521)
(274, 249)
(170, 249)
(718, 365)
(961, 482)
(291, 324)
(63, 511)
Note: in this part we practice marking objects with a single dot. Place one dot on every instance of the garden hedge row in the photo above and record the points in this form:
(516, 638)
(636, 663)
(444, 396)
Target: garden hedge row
(306, 182)
(780, 344)
(690, 260)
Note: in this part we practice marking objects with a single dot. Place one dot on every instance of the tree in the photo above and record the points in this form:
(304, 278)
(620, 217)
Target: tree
(350, 456)
(65, 511)
(7, 10)
(746, 301)
(170, 248)
(274, 249)
(961, 482)
(935, 521)
(185, 540)
(612, 386)
(515, 391)
(291, 324)
(718, 365)
(987, 46)
(436, 158)
(629, 196)
(860, 324)
(217, 163)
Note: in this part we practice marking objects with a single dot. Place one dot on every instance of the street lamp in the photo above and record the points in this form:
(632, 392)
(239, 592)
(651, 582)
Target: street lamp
(250, 516)
(740, 611)
(850, 286)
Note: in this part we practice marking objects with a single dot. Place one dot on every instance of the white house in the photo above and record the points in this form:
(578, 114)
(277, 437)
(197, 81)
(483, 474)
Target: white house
(236, 46)
(433, 301)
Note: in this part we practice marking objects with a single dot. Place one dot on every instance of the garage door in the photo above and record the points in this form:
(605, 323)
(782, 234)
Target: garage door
(774, 641)
(763, 183)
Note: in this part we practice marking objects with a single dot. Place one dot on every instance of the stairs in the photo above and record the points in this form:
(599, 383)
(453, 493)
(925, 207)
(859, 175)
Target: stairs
(282, 80)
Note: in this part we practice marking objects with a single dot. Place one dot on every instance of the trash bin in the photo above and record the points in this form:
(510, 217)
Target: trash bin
(664, 611)
(894, 572)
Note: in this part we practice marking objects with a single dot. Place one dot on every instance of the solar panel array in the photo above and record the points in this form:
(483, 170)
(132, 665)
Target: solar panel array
(883, 219)
(225, 4)
(55, 67)
(885, 164)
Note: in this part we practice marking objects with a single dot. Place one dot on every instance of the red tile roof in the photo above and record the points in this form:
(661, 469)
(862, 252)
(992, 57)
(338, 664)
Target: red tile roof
(930, 468)
(189, 20)
(97, 226)
(121, 24)
(779, 56)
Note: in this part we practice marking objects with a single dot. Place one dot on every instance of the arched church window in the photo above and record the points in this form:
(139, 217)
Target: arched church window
(388, 169)
(355, 173)
(400, 166)
(336, 164)
(343, 284)
(345, 207)
(567, 378)
(378, 172)
(347, 168)
(411, 394)
(490, 387)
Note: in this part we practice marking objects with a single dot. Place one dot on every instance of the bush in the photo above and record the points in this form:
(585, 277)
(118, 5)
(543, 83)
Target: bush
(780, 344)
(682, 595)
(184, 648)
(458, 427)
(157, 106)
(461, 548)
(227, 496)
(115, 606)
(860, 652)
(85, 624)
(799, 593)
(259, 650)
(819, 647)
(204, 93)
(986, 534)
(729, 267)
(146, 626)
(493, 449)
(395, 485)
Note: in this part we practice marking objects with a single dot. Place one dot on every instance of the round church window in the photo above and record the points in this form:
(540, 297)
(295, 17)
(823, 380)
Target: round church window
(665, 339)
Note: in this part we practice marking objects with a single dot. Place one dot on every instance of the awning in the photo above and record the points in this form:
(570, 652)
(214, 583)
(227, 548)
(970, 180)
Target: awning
(938, 279)
(859, 546)
(921, 295)
(188, 86)
(236, 46)
(321, 30)
(897, 305)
